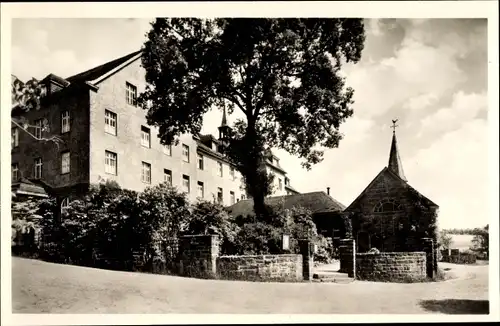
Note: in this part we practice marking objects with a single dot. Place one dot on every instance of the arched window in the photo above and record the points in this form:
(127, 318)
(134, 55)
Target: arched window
(387, 205)
(64, 204)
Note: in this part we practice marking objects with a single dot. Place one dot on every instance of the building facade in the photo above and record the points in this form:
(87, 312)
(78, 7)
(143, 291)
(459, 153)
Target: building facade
(103, 136)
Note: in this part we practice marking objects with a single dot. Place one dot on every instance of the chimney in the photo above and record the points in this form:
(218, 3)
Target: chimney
(328, 190)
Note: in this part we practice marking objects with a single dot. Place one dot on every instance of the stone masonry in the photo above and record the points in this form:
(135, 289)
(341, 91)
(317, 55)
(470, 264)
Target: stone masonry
(286, 268)
(391, 266)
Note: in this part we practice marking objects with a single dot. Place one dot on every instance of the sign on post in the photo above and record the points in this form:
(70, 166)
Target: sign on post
(286, 242)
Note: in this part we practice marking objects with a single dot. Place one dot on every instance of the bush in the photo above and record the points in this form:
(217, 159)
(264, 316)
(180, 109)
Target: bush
(265, 237)
(118, 229)
(211, 218)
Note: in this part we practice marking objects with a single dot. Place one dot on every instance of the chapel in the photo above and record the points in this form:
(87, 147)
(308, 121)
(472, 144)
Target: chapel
(389, 214)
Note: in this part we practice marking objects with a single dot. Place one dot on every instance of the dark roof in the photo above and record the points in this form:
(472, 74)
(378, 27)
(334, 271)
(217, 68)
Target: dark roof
(26, 187)
(397, 177)
(316, 202)
(97, 72)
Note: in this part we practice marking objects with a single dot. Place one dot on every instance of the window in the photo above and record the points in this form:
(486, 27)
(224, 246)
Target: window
(65, 162)
(65, 127)
(185, 183)
(387, 205)
(111, 163)
(185, 153)
(167, 176)
(15, 137)
(167, 149)
(38, 128)
(219, 169)
(15, 172)
(145, 137)
(200, 161)
(231, 172)
(110, 122)
(201, 191)
(243, 197)
(231, 195)
(280, 184)
(38, 168)
(220, 196)
(131, 92)
(64, 204)
(146, 172)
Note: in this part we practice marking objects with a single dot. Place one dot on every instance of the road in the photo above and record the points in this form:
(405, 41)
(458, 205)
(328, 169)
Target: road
(41, 287)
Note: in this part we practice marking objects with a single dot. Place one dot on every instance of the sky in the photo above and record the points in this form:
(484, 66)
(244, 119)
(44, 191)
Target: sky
(430, 74)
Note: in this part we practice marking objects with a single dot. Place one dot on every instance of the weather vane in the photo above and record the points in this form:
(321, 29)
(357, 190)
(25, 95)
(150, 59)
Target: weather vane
(394, 125)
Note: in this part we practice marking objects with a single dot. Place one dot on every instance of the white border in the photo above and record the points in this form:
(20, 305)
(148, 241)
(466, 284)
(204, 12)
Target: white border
(368, 9)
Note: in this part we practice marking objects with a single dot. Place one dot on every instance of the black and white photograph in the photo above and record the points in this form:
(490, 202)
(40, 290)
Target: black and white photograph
(221, 160)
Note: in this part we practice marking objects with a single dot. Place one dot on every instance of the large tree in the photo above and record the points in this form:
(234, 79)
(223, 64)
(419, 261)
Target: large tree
(283, 74)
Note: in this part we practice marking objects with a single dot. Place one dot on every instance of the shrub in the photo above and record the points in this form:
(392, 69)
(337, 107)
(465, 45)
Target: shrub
(324, 254)
(211, 218)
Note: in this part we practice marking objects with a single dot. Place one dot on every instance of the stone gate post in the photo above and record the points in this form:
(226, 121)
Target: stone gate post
(347, 251)
(428, 248)
(306, 250)
(198, 255)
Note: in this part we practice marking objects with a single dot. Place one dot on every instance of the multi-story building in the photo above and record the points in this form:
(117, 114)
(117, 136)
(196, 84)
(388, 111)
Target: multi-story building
(104, 136)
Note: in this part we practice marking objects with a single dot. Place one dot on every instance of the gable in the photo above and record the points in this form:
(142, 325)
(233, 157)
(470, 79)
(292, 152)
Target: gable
(386, 185)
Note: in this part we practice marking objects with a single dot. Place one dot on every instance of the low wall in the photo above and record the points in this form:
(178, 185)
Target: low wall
(460, 258)
(285, 268)
(391, 266)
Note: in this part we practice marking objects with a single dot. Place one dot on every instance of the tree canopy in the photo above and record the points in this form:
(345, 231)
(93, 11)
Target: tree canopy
(283, 74)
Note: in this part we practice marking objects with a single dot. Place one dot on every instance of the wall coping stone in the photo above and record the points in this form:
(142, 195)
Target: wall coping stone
(402, 253)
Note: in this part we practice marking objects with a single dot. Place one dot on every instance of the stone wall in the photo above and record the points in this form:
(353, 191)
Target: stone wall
(391, 266)
(286, 268)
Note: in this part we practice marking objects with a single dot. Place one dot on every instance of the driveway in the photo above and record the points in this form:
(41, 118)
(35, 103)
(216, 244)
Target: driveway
(41, 287)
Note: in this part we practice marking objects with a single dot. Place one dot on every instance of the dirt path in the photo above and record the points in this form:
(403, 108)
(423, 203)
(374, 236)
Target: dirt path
(40, 287)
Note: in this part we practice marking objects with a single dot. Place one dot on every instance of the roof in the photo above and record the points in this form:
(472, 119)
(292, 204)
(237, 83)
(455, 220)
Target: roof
(289, 187)
(95, 73)
(395, 165)
(26, 187)
(397, 177)
(316, 202)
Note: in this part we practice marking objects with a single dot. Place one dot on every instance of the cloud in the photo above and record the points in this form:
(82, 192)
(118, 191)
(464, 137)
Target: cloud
(453, 172)
(426, 65)
(464, 107)
(69, 46)
(422, 101)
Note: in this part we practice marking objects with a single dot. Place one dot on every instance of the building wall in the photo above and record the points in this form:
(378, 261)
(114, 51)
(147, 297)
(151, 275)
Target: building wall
(76, 101)
(278, 175)
(130, 153)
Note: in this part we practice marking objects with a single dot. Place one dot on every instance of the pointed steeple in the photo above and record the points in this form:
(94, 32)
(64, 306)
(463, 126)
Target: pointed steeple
(224, 118)
(395, 165)
(223, 128)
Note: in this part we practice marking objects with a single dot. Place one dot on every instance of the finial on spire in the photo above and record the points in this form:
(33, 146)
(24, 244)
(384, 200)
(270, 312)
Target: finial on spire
(395, 164)
(394, 125)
